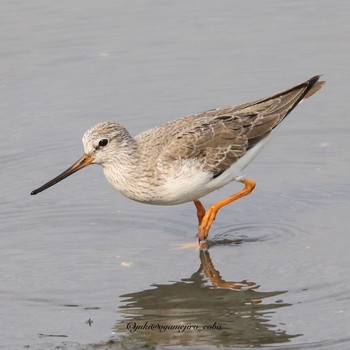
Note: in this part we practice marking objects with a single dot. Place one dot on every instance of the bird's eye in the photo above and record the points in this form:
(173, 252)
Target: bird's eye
(103, 142)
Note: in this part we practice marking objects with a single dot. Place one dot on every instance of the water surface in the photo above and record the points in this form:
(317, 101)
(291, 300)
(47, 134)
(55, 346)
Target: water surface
(83, 267)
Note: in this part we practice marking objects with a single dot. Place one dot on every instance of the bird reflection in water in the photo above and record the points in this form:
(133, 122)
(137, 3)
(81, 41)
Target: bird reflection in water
(204, 309)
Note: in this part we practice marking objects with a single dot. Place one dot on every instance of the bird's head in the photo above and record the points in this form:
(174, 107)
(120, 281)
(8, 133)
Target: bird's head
(103, 143)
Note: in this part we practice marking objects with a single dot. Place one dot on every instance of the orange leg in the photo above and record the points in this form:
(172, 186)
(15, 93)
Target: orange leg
(209, 216)
(200, 211)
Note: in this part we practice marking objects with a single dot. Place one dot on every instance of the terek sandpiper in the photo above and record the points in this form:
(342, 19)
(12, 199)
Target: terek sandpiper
(185, 159)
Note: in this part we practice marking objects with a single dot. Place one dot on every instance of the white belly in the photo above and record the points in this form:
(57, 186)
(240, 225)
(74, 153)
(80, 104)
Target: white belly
(192, 183)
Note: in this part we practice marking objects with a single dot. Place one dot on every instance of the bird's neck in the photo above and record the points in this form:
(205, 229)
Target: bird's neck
(123, 170)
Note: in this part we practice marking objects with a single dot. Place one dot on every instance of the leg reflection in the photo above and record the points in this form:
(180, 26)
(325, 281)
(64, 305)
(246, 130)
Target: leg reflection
(214, 275)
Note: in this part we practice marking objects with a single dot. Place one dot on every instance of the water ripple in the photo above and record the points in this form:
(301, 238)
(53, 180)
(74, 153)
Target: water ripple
(257, 232)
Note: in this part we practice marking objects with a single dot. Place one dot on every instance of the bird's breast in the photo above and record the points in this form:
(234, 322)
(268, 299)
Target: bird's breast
(182, 182)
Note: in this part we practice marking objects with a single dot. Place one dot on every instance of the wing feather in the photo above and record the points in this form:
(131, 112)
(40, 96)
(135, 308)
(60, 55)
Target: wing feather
(219, 137)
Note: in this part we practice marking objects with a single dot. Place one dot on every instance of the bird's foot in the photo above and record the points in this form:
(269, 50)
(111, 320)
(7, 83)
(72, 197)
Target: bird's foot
(203, 245)
(207, 221)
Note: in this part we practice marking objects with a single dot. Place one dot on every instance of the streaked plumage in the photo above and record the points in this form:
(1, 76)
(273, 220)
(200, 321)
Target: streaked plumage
(185, 159)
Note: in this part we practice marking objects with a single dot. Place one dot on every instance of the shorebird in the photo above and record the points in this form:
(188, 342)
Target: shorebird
(186, 159)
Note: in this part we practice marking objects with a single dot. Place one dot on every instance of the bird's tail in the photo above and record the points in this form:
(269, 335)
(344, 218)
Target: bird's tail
(315, 87)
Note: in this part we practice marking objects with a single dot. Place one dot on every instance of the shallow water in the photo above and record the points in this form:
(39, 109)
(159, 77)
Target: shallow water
(82, 267)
